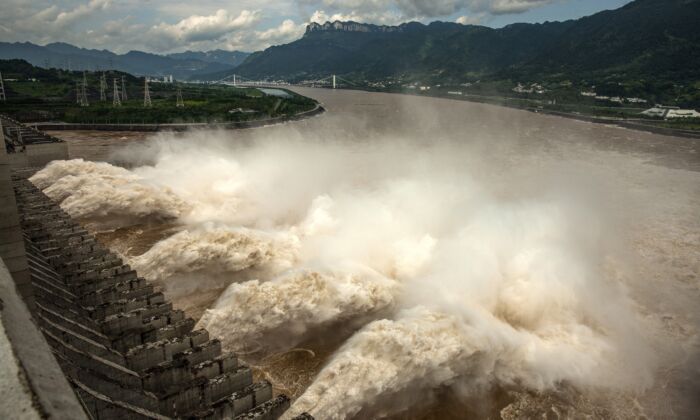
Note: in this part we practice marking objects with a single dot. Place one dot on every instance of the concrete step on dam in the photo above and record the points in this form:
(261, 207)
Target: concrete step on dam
(122, 348)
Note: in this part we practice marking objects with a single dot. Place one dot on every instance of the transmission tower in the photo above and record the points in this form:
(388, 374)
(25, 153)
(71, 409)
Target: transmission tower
(146, 94)
(103, 87)
(82, 100)
(2, 89)
(77, 92)
(115, 100)
(180, 103)
(124, 98)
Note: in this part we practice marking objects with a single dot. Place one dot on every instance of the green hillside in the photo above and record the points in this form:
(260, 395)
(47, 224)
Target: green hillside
(36, 94)
(647, 48)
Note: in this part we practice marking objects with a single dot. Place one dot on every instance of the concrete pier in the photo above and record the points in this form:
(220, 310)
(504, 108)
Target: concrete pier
(27, 147)
(12, 249)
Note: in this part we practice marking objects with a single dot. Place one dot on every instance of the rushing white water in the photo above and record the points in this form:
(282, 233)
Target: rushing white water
(99, 190)
(282, 310)
(469, 264)
(215, 250)
(517, 296)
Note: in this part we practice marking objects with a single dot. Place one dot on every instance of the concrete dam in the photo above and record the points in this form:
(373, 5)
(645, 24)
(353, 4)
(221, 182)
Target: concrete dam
(88, 336)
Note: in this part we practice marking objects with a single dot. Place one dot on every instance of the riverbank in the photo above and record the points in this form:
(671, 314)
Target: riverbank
(59, 126)
(632, 124)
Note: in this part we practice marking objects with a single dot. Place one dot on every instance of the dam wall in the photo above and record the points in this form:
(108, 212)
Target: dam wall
(124, 348)
(33, 386)
(12, 250)
(100, 342)
(27, 147)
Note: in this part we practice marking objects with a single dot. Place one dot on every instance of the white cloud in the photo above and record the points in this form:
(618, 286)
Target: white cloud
(45, 21)
(516, 6)
(470, 20)
(421, 9)
(202, 28)
(378, 17)
(84, 10)
(287, 31)
(165, 26)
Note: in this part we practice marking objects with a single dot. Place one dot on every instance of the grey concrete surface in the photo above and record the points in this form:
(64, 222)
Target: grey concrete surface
(46, 385)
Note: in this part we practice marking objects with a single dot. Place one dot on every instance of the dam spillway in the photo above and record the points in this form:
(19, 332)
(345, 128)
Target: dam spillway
(519, 158)
(123, 348)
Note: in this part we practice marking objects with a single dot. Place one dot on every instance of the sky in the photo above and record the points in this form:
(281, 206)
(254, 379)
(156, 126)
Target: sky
(165, 26)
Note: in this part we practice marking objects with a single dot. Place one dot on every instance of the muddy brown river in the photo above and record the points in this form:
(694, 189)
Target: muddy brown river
(564, 256)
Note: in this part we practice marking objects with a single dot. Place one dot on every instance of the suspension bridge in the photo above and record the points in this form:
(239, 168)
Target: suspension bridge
(332, 81)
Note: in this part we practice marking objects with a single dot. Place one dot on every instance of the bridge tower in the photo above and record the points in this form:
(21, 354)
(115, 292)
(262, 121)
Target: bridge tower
(334, 81)
(115, 98)
(124, 97)
(180, 103)
(146, 94)
(2, 89)
(234, 80)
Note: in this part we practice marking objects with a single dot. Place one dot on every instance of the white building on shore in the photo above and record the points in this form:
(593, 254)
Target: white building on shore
(661, 111)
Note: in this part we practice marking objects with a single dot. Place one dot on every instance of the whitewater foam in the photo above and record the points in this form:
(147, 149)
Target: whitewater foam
(284, 309)
(216, 250)
(462, 279)
(99, 191)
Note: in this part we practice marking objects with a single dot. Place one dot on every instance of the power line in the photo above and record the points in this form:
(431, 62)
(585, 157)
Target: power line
(103, 87)
(115, 98)
(179, 103)
(82, 100)
(124, 98)
(2, 89)
(146, 94)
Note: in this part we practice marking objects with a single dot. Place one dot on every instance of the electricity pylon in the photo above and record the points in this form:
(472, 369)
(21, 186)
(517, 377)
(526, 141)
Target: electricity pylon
(83, 92)
(124, 98)
(180, 103)
(115, 100)
(146, 94)
(103, 87)
(2, 89)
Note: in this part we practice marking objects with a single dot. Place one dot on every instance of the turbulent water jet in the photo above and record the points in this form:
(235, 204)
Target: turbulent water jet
(469, 269)
(92, 190)
(283, 309)
(216, 250)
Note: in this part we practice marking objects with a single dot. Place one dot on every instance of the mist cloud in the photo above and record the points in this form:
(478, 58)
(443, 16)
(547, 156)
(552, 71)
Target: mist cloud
(458, 269)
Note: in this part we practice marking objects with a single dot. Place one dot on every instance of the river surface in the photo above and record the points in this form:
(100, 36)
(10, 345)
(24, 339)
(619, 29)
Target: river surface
(644, 190)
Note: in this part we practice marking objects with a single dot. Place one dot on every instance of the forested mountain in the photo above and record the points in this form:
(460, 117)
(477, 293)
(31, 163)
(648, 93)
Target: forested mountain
(231, 58)
(66, 56)
(646, 39)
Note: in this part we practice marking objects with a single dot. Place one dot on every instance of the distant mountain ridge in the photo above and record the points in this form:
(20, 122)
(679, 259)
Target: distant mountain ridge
(232, 58)
(180, 65)
(350, 26)
(646, 39)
